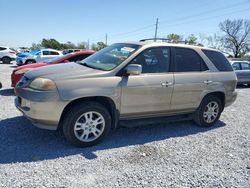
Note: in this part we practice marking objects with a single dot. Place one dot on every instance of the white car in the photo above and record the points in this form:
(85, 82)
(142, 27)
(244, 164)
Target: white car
(40, 56)
(7, 54)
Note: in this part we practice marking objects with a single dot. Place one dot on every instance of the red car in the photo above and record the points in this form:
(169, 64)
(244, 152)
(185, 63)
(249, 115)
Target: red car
(73, 57)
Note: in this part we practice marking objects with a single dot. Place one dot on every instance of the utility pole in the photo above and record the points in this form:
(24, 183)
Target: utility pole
(88, 45)
(106, 39)
(156, 28)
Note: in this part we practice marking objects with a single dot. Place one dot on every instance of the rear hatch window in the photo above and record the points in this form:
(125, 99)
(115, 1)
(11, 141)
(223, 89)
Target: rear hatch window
(219, 60)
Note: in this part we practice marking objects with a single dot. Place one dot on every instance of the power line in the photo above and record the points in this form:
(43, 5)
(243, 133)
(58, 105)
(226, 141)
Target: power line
(202, 13)
(208, 18)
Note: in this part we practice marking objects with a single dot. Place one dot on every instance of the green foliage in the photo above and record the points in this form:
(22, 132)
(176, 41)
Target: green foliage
(175, 37)
(98, 46)
(192, 39)
(54, 44)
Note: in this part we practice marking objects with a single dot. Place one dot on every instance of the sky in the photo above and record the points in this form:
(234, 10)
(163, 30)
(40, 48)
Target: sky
(26, 21)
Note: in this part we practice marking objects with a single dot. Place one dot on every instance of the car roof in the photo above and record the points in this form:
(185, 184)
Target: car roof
(238, 61)
(153, 44)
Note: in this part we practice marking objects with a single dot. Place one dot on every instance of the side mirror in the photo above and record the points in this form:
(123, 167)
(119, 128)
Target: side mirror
(134, 69)
(66, 61)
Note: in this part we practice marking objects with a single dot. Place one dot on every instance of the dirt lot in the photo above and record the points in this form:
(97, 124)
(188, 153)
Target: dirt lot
(160, 155)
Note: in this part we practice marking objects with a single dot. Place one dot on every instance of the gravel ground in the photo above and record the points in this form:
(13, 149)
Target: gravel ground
(161, 155)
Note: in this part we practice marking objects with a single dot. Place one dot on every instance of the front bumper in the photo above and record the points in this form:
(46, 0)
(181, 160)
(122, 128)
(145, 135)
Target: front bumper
(43, 109)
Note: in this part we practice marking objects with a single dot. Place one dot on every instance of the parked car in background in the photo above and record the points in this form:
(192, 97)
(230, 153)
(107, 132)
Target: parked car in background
(7, 54)
(127, 81)
(242, 70)
(38, 56)
(1, 85)
(72, 57)
(71, 51)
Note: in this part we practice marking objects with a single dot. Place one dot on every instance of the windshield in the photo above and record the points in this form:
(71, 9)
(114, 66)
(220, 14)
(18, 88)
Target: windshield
(49, 61)
(33, 52)
(110, 57)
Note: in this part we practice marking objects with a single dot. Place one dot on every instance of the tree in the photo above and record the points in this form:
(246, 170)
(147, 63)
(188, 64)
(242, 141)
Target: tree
(98, 46)
(35, 46)
(174, 37)
(192, 39)
(51, 43)
(236, 37)
(82, 45)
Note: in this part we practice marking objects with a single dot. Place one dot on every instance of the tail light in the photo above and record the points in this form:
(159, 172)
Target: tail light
(12, 52)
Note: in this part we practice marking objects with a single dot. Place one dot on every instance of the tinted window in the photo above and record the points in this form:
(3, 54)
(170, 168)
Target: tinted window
(154, 60)
(45, 52)
(110, 57)
(187, 60)
(54, 53)
(219, 60)
(1, 48)
(236, 66)
(245, 66)
(78, 57)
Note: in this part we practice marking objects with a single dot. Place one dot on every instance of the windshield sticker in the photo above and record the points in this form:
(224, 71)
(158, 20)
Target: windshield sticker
(128, 49)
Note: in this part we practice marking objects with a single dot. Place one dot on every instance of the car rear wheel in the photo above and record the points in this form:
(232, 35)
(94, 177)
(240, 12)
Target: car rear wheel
(86, 124)
(208, 112)
(6, 60)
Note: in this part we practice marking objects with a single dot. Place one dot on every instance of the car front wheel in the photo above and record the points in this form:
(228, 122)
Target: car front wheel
(86, 124)
(6, 60)
(208, 112)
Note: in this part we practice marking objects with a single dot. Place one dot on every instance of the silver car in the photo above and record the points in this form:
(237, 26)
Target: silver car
(127, 81)
(242, 70)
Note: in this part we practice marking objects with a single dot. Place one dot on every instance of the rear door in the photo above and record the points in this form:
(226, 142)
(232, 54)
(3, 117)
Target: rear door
(150, 92)
(191, 77)
(245, 72)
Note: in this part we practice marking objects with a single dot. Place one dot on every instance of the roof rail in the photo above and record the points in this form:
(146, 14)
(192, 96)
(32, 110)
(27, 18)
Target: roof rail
(164, 40)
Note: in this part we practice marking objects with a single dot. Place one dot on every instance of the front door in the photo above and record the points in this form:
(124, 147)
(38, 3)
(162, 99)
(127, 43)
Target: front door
(151, 91)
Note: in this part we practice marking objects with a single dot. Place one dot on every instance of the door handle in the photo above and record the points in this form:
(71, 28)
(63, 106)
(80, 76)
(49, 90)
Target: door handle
(208, 81)
(166, 84)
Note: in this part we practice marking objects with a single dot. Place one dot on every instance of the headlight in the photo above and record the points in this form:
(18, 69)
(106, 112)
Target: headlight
(22, 71)
(42, 84)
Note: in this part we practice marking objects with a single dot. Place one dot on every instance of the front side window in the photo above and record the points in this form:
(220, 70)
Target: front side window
(45, 52)
(110, 57)
(236, 66)
(154, 60)
(78, 57)
(245, 66)
(187, 60)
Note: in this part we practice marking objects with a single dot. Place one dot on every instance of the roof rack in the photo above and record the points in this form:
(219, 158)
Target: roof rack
(164, 40)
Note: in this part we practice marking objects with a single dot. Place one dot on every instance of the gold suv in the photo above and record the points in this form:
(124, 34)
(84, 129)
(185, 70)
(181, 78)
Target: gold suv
(127, 81)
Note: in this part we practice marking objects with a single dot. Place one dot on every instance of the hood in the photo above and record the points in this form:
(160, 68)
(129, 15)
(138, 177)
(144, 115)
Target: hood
(63, 71)
(30, 66)
(23, 54)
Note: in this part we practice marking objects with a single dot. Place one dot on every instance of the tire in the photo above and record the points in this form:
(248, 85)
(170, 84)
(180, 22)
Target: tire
(76, 126)
(29, 62)
(6, 60)
(202, 114)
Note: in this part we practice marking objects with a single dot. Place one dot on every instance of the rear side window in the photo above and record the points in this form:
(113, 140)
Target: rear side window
(187, 60)
(245, 66)
(219, 60)
(1, 48)
(54, 53)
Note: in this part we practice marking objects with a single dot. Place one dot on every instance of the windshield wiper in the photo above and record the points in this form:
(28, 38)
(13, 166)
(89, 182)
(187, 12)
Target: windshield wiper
(87, 65)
